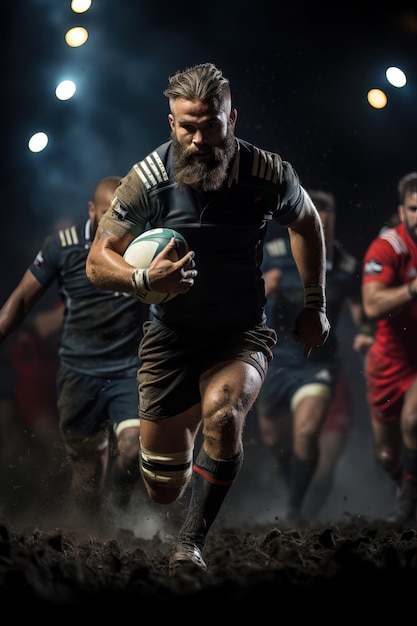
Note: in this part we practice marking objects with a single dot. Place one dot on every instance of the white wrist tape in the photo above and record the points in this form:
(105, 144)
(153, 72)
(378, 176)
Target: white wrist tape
(315, 297)
(140, 282)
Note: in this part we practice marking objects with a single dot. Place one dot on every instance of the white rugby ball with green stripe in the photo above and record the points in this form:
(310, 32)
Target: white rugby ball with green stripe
(141, 252)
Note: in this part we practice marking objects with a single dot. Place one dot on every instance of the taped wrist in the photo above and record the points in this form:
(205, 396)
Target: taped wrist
(366, 329)
(412, 290)
(315, 298)
(140, 283)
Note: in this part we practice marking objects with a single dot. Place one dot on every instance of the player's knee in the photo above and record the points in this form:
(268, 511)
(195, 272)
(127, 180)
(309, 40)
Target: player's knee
(127, 436)
(387, 459)
(222, 424)
(166, 475)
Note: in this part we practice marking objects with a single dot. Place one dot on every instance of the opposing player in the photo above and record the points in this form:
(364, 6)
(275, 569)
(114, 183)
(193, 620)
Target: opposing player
(96, 383)
(390, 297)
(206, 352)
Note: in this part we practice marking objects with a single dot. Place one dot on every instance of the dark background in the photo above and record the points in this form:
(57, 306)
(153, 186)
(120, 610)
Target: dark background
(299, 75)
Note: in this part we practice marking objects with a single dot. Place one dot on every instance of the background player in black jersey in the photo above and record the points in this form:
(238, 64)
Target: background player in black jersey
(98, 352)
(297, 395)
(205, 353)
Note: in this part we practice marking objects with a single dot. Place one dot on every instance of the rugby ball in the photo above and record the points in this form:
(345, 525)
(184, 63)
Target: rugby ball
(141, 252)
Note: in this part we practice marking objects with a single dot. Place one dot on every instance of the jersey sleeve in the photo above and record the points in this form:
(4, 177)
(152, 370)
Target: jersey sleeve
(379, 262)
(129, 207)
(291, 196)
(46, 265)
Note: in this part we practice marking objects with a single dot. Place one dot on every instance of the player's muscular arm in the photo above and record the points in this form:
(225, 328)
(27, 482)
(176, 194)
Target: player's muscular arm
(311, 326)
(380, 300)
(107, 269)
(19, 303)
(105, 266)
(307, 245)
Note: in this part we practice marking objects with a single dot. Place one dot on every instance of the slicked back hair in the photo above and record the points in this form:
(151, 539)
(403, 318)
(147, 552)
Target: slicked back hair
(203, 82)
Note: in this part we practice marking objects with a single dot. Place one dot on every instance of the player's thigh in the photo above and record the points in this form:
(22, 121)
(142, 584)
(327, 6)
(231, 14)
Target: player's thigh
(311, 408)
(172, 434)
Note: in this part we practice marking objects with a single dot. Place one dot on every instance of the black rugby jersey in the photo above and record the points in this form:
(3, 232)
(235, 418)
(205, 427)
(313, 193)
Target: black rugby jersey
(226, 229)
(102, 329)
(343, 280)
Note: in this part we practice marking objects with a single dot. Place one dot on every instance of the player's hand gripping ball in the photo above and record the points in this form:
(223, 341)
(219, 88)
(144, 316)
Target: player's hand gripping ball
(141, 252)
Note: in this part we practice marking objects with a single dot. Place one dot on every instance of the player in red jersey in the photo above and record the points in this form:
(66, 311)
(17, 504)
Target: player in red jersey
(389, 286)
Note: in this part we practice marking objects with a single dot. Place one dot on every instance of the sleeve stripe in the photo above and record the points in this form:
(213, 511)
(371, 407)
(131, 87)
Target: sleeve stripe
(151, 170)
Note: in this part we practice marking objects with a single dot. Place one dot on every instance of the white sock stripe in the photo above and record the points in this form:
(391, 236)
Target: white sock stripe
(130, 423)
(171, 479)
(172, 458)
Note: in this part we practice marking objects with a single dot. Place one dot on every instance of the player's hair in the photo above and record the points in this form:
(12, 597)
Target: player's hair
(203, 82)
(407, 184)
(323, 200)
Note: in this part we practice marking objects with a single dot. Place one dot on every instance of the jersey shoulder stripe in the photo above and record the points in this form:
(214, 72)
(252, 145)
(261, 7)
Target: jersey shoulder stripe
(151, 170)
(266, 165)
(68, 236)
(395, 240)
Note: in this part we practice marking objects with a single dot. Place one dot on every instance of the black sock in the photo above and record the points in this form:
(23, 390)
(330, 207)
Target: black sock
(301, 475)
(210, 483)
(396, 471)
(122, 483)
(284, 468)
(410, 466)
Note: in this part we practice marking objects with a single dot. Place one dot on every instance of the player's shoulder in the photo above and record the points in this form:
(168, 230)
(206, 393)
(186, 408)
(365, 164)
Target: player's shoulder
(394, 237)
(65, 241)
(73, 235)
(156, 168)
(390, 240)
(260, 163)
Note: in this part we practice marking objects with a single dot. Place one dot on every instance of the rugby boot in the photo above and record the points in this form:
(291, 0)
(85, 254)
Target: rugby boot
(186, 553)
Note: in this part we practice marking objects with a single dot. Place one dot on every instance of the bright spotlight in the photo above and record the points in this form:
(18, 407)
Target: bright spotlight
(396, 77)
(38, 142)
(377, 98)
(80, 6)
(65, 90)
(76, 36)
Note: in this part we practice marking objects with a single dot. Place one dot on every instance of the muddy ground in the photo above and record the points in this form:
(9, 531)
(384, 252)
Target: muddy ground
(50, 568)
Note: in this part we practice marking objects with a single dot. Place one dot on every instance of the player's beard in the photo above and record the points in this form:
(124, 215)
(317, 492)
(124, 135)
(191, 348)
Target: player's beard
(206, 175)
(412, 231)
